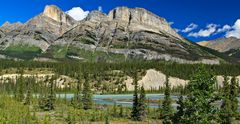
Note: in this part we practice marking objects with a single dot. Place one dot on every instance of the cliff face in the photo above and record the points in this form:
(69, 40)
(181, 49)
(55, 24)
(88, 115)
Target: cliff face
(141, 18)
(52, 19)
(58, 15)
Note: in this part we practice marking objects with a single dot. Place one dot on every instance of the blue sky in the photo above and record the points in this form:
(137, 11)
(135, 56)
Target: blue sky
(205, 18)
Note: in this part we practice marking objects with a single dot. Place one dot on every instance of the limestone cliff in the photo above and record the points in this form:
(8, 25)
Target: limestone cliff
(140, 18)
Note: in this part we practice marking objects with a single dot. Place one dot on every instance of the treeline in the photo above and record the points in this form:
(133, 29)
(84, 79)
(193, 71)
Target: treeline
(70, 68)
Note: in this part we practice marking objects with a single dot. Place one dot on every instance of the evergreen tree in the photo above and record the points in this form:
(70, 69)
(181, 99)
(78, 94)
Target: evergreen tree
(20, 88)
(51, 96)
(141, 104)
(198, 107)
(47, 102)
(233, 96)
(28, 95)
(135, 109)
(77, 99)
(226, 112)
(87, 94)
(180, 111)
(167, 110)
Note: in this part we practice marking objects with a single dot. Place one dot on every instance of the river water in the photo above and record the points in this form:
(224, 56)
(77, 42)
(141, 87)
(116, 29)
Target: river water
(121, 99)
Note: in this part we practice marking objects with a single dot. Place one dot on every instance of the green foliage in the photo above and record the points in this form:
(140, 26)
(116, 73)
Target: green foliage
(47, 103)
(180, 111)
(87, 94)
(167, 110)
(233, 96)
(135, 115)
(226, 111)
(22, 51)
(198, 106)
(20, 89)
(142, 104)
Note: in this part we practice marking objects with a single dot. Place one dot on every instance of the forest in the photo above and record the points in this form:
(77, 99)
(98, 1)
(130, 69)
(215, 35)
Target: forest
(34, 100)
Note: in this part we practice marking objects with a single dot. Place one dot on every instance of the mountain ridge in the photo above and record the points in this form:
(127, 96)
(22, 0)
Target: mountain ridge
(129, 33)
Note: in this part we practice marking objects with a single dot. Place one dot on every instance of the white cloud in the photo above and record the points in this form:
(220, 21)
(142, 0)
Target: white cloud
(210, 29)
(100, 8)
(224, 29)
(77, 13)
(189, 28)
(235, 32)
(170, 23)
(177, 30)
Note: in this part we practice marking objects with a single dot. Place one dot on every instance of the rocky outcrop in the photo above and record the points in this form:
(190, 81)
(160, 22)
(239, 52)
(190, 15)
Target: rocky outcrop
(58, 15)
(140, 18)
(96, 16)
(153, 80)
(1, 34)
(53, 19)
(7, 27)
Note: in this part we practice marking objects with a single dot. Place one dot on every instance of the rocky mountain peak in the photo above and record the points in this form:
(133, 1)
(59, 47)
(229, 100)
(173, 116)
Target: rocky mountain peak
(142, 17)
(96, 16)
(6, 24)
(57, 14)
(53, 12)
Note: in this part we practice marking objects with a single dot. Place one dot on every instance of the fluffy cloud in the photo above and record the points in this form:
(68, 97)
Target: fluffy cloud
(77, 13)
(100, 8)
(210, 29)
(235, 32)
(224, 29)
(170, 23)
(189, 28)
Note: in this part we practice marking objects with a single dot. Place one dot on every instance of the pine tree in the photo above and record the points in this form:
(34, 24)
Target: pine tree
(20, 88)
(233, 96)
(87, 94)
(51, 96)
(180, 111)
(142, 105)
(167, 110)
(226, 112)
(135, 109)
(77, 99)
(198, 107)
(28, 95)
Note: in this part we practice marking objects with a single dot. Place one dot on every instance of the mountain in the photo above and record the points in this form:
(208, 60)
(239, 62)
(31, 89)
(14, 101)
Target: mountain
(39, 31)
(222, 44)
(122, 34)
(229, 46)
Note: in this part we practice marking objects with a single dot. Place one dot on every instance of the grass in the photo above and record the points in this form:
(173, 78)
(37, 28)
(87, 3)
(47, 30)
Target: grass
(22, 51)
(95, 55)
